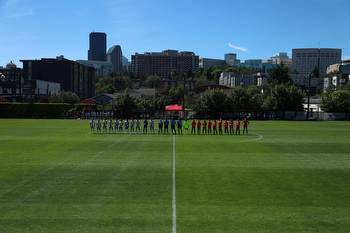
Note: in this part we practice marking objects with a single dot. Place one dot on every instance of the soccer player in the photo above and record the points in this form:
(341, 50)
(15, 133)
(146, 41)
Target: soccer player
(220, 127)
(215, 131)
(186, 126)
(204, 128)
(173, 123)
(245, 126)
(104, 125)
(166, 126)
(145, 126)
(110, 126)
(160, 126)
(138, 125)
(126, 125)
(151, 126)
(179, 126)
(121, 125)
(132, 125)
(232, 125)
(116, 125)
(92, 126)
(199, 126)
(98, 126)
(238, 127)
(209, 127)
(226, 127)
(194, 125)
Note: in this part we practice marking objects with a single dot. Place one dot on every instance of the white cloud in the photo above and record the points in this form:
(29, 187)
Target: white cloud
(239, 48)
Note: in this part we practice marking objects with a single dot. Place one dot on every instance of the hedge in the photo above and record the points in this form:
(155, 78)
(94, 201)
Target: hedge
(38, 110)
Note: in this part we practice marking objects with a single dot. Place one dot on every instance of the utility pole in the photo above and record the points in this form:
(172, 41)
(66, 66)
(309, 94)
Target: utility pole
(308, 97)
(184, 94)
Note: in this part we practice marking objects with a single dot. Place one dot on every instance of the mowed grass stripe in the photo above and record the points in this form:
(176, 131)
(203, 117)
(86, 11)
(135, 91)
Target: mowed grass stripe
(294, 179)
(97, 183)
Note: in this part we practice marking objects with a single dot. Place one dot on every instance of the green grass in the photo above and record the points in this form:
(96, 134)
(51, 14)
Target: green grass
(57, 177)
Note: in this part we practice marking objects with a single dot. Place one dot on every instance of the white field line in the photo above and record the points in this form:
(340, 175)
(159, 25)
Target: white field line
(174, 184)
(259, 137)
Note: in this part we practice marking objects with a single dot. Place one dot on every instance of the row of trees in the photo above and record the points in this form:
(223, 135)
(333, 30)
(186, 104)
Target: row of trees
(126, 105)
(280, 97)
(337, 100)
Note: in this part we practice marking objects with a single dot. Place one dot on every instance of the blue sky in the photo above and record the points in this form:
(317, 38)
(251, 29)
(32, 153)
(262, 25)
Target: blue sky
(252, 28)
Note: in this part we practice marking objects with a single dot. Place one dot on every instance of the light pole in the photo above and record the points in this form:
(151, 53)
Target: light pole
(308, 97)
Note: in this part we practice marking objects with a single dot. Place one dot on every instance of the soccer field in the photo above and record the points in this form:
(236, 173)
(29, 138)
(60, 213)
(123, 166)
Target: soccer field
(55, 176)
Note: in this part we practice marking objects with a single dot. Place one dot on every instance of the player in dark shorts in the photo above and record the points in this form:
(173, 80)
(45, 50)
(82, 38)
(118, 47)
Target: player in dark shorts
(104, 126)
(194, 125)
(199, 127)
(245, 126)
(160, 126)
(173, 126)
(116, 125)
(204, 127)
(92, 126)
(226, 127)
(215, 125)
(110, 126)
(220, 127)
(179, 126)
(238, 127)
(145, 126)
(121, 125)
(127, 125)
(232, 127)
(166, 126)
(209, 127)
(151, 126)
(98, 126)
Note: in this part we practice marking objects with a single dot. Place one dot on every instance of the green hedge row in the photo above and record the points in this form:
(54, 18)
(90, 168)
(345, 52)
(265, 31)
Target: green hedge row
(38, 110)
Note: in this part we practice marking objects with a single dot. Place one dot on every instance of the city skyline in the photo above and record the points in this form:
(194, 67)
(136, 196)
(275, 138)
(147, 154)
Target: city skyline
(206, 28)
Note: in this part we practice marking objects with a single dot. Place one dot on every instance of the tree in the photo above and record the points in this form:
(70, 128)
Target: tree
(336, 101)
(126, 104)
(284, 98)
(213, 102)
(245, 99)
(152, 82)
(111, 84)
(65, 97)
(280, 75)
(176, 93)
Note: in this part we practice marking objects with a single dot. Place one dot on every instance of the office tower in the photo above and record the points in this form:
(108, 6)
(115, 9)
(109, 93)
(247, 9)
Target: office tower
(115, 57)
(164, 64)
(206, 63)
(231, 59)
(306, 60)
(98, 46)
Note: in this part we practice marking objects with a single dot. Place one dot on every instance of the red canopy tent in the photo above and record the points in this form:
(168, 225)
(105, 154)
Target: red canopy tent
(174, 108)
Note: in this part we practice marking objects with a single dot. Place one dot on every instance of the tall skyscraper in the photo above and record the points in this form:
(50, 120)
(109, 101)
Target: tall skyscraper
(115, 57)
(98, 46)
(305, 61)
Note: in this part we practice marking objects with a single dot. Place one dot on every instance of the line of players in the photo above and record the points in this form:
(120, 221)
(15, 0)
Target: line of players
(215, 127)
